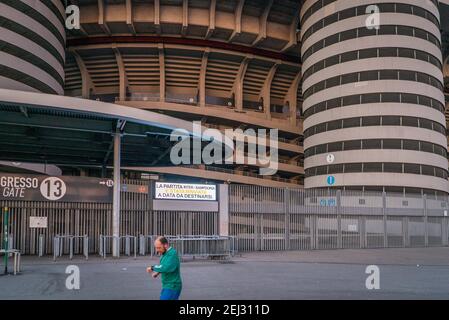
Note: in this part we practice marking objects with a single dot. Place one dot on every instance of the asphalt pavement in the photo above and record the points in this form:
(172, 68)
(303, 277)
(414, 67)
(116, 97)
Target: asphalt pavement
(418, 273)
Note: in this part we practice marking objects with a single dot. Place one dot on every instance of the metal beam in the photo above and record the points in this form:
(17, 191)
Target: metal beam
(7, 129)
(238, 85)
(58, 123)
(41, 143)
(101, 18)
(24, 111)
(161, 72)
(33, 144)
(266, 90)
(122, 74)
(238, 21)
(116, 194)
(129, 17)
(108, 153)
(39, 154)
(161, 156)
(55, 138)
(34, 156)
(202, 79)
(263, 20)
(145, 41)
(212, 13)
(293, 33)
(185, 17)
(292, 98)
(86, 81)
(157, 16)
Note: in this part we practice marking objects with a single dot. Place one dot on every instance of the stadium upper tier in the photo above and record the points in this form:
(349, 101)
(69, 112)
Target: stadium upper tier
(310, 69)
(229, 64)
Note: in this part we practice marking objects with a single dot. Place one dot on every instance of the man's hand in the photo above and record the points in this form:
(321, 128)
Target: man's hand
(155, 275)
(149, 270)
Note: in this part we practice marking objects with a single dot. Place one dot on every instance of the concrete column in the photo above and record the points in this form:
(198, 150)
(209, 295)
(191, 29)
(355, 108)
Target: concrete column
(211, 28)
(202, 80)
(223, 210)
(161, 72)
(116, 197)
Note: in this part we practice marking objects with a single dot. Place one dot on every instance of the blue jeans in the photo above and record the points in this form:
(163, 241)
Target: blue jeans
(170, 294)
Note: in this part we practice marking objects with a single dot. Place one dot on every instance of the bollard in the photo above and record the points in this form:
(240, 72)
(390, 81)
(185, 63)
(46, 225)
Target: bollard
(58, 242)
(5, 237)
(86, 246)
(152, 245)
(10, 244)
(55, 247)
(61, 246)
(117, 241)
(142, 245)
(100, 249)
(16, 262)
(127, 246)
(41, 245)
(103, 243)
(71, 247)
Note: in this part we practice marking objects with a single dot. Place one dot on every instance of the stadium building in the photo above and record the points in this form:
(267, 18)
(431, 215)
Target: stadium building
(357, 107)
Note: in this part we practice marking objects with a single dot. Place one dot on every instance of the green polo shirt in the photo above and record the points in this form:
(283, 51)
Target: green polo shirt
(170, 269)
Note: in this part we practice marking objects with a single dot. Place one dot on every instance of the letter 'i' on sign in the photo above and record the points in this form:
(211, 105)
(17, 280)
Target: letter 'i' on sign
(330, 180)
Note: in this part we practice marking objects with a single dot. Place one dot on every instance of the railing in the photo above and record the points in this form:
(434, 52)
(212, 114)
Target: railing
(107, 243)
(58, 245)
(238, 172)
(204, 246)
(16, 262)
(193, 101)
(260, 218)
(265, 218)
(254, 158)
(222, 128)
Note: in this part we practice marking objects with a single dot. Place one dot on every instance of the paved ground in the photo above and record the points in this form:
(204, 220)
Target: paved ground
(337, 274)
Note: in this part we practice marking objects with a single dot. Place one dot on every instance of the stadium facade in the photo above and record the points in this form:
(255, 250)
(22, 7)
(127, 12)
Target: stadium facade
(357, 107)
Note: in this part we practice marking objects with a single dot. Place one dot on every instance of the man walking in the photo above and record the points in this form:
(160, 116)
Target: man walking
(169, 267)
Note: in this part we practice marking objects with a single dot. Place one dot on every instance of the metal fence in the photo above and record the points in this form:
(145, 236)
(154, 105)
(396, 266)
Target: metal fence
(260, 218)
(202, 246)
(95, 219)
(263, 218)
(91, 219)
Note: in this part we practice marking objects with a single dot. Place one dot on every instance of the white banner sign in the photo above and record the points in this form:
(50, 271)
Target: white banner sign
(38, 222)
(185, 191)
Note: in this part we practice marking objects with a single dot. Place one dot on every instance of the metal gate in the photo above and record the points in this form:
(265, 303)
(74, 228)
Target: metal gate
(95, 219)
(263, 218)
